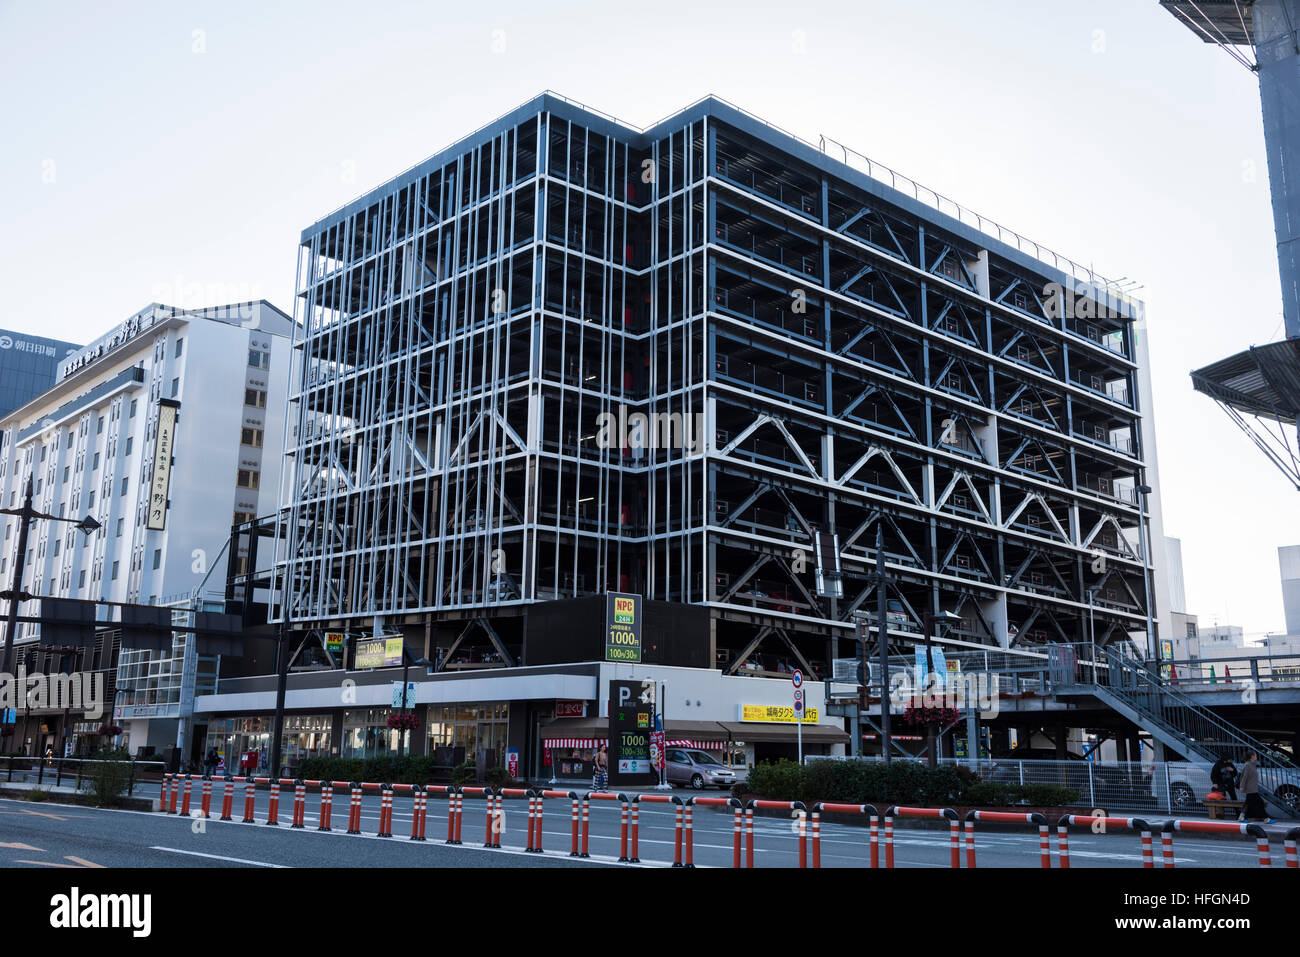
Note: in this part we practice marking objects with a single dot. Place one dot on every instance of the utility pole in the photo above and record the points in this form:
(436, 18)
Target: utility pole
(1143, 502)
(882, 638)
(15, 594)
(281, 685)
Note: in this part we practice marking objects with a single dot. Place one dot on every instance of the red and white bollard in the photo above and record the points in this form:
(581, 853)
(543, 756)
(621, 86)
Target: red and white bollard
(299, 804)
(1147, 860)
(623, 821)
(1261, 842)
(205, 803)
(889, 841)
(737, 834)
(586, 824)
(875, 840)
(166, 791)
(532, 820)
(273, 805)
(354, 809)
(1289, 843)
(1062, 846)
(326, 805)
(228, 799)
(749, 838)
(250, 797)
(677, 836)
(185, 798)
(417, 819)
(385, 811)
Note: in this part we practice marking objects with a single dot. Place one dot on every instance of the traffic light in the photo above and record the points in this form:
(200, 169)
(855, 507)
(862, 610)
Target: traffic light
(147, 627)
(67, 622)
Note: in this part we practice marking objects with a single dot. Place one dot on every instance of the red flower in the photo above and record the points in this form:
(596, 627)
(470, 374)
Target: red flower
(403, 722)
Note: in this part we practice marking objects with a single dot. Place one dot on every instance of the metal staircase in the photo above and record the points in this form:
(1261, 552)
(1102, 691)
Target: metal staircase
(1171, 716)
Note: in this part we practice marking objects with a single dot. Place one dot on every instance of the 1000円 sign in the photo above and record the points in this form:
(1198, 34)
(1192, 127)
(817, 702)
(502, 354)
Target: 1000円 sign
(623, 627)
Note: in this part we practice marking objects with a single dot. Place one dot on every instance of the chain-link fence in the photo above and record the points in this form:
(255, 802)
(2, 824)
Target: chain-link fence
(1174, 788)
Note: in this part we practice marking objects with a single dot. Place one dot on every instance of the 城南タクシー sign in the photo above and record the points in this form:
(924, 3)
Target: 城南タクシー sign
(780, 714)
(623, 627)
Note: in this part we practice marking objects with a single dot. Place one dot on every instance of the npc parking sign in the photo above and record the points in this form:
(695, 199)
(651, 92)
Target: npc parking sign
(623, 627)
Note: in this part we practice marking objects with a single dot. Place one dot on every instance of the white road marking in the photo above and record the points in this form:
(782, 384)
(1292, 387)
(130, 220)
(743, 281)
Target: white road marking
(216, 857)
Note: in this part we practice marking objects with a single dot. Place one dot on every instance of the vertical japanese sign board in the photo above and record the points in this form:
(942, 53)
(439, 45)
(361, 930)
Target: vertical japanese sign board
(623, 627)
(631, 722)
(164, 448)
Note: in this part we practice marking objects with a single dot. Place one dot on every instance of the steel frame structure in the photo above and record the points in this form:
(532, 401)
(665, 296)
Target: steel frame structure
(833, 354)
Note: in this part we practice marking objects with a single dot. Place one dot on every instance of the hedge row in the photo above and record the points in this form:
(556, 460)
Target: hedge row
(898, 782)
(389, 770)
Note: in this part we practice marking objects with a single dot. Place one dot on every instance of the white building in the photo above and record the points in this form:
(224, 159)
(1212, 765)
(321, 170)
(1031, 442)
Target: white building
(89, 445)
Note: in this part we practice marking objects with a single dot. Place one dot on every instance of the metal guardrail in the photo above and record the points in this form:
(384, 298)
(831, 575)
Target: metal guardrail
(1175, 788)
(57, 772)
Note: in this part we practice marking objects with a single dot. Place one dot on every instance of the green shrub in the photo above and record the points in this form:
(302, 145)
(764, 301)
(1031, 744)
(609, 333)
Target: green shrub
(333, 769)
(1043, 795)
(898, 782)
(463, 774)
(38, 794)
(778, 780)
(499, 778)
(109, 777)
(986, 794)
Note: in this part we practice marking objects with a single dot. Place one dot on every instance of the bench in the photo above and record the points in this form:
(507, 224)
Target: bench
(1216, 809)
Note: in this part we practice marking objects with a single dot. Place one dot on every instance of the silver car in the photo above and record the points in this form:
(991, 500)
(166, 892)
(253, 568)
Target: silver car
(697, 768)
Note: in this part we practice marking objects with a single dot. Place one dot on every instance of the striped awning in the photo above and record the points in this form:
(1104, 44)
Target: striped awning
(696, 744)
(597, 742)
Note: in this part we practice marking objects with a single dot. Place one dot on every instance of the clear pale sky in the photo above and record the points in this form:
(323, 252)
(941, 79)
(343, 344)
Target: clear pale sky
(174, 152)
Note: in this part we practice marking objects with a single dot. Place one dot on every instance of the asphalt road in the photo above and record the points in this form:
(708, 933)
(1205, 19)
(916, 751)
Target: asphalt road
(50, 835)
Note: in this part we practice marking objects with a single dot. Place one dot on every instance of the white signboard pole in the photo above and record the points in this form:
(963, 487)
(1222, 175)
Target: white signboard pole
(796, 679)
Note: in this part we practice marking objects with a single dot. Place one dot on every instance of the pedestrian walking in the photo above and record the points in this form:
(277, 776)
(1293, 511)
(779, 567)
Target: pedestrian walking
(210, 762)
(601, 777)
(1254, 809)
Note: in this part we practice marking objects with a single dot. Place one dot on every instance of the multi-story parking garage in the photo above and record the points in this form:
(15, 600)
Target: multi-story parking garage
(565, 356)
(813, 350)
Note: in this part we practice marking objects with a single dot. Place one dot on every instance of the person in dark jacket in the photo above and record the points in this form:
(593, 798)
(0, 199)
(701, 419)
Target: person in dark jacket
(1223, 775)
(210, 762)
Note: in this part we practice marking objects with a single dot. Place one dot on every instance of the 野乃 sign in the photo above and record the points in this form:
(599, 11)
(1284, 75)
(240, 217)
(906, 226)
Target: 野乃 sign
(623, 627)
(160, 481)
(775, 713)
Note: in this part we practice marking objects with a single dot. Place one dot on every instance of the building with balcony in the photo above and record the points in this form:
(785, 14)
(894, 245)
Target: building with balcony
(211, 382)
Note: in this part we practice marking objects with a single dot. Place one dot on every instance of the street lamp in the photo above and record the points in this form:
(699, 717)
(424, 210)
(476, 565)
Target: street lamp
(942, 621)
(407, 661)
(1143, 491)
(15, 594)
(1092, 628)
